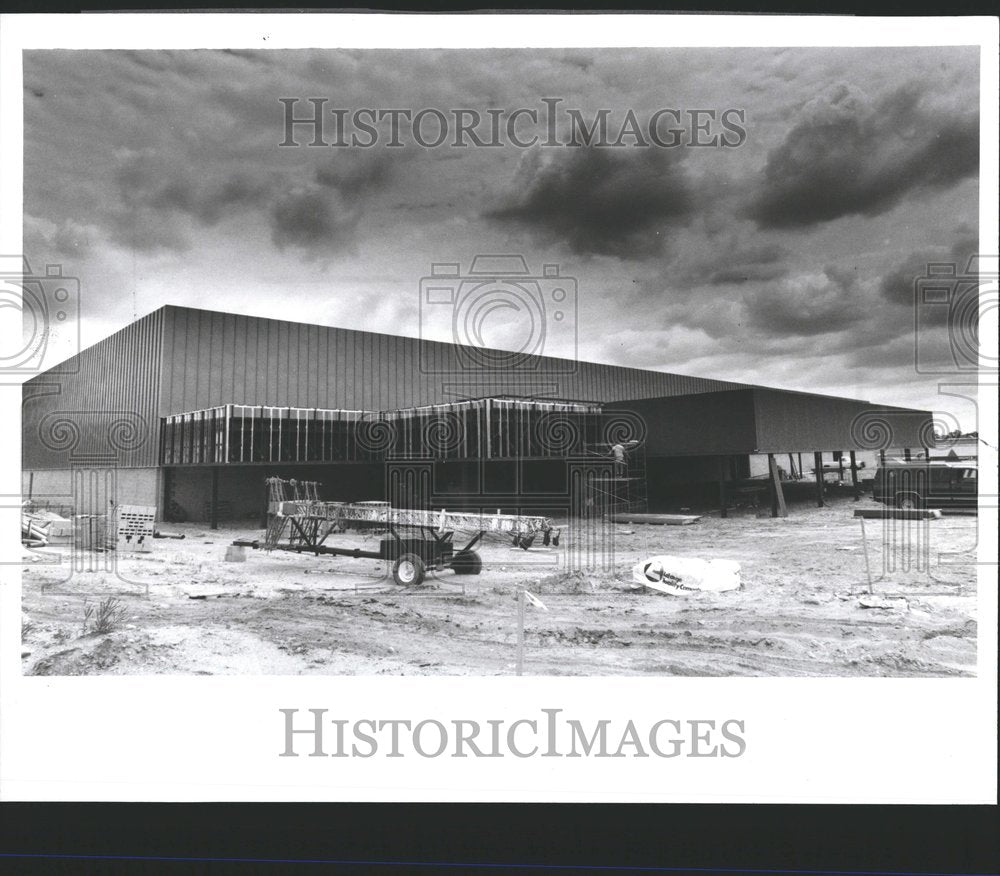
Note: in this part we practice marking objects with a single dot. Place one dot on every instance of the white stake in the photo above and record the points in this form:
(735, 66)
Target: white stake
(523, 598)
(868, 570)
(520, 632)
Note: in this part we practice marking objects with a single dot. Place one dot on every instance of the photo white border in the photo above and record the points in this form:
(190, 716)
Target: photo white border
(816, 740)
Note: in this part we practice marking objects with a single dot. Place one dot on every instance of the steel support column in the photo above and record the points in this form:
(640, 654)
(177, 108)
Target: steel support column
(778, 507)
(723, 502)
(214, 511)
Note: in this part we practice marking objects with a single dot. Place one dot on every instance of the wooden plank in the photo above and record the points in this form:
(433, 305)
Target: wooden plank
(655, 519)
(208, 592)
(898, 513)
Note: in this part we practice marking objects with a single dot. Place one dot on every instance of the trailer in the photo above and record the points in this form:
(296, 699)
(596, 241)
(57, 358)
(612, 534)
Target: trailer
(417, 539)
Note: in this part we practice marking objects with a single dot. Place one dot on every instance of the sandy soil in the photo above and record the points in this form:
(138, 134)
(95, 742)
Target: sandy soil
(802, 610)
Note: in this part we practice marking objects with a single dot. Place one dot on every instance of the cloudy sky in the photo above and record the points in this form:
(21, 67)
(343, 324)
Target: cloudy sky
(787, 259)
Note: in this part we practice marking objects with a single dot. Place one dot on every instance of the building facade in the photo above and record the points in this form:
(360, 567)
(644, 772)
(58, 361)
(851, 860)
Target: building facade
(163, 413)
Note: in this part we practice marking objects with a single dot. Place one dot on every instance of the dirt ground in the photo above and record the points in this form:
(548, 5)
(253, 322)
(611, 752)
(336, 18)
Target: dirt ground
(803, 609)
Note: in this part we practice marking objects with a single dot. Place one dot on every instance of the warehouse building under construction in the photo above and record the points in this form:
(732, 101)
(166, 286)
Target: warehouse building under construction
(191, 410)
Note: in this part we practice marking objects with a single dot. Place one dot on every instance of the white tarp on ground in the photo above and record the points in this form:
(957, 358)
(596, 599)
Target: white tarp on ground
(680, 576)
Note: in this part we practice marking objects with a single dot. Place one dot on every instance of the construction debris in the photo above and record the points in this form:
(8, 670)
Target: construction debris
(897, 603)
(31, 533)
(898, 513)
(236, 554)
(656, 519)
(681, 576)
(40, 528)
(90, 533)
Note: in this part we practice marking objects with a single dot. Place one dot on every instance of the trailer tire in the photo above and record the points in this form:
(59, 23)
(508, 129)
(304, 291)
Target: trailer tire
(909, 501)
(408, 570)
(467, 563)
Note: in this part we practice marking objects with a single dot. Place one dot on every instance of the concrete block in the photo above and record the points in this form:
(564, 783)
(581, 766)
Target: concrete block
(236, 554)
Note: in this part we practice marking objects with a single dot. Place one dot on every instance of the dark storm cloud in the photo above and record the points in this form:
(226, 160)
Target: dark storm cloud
(159, 196)
(321, 217)
(809, 306)
(209, 203)
(312, 218)
(163, 200)
(895, 353)
(617, 202)
(764, 262)
(66, 241)
(849, 157)
(358, 177)
(898, 285)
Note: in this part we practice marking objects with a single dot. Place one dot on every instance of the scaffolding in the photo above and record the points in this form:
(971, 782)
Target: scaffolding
(621, 487)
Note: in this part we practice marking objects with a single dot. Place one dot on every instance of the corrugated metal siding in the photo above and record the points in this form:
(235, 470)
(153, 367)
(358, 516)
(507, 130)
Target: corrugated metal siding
(793, 421)
(102, 406)
(761, 420)
(182, 359)
(213, 358)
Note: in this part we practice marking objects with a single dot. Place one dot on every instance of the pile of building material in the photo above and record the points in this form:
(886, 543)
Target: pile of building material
(90, 533)
(134, 527)
(131, 529)
(40, 528)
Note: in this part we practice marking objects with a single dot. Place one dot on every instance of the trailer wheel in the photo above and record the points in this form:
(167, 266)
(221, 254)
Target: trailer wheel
(467, 563)
(908, 501)
(408, 570)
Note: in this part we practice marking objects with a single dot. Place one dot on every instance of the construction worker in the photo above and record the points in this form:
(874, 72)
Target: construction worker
(618, 452)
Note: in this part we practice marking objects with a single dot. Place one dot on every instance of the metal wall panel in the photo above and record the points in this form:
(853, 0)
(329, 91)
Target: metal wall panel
(102, 407)
(762, 420)
(273, 362)
(182, 359)
(711, 423)
(795, 421)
